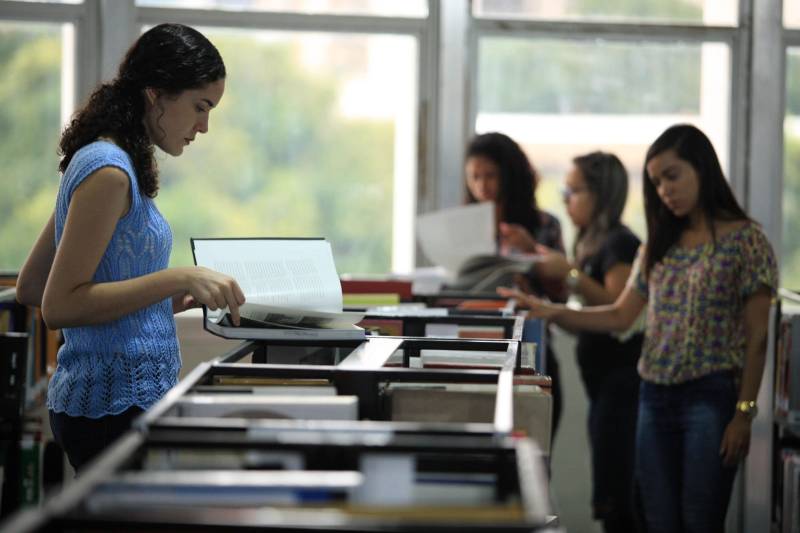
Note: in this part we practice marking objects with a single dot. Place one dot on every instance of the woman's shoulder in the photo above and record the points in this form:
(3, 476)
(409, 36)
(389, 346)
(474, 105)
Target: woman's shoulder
(741, 231)
(94, 156)
(547, 219)
(98, 150)
(620, 243)
(620, 236)
(621, 231)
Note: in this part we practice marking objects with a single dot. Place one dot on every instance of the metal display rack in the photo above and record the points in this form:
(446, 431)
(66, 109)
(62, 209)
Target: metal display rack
(205, 473)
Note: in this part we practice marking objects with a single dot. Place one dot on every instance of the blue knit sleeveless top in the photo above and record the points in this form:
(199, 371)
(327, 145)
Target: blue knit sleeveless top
(133, 361)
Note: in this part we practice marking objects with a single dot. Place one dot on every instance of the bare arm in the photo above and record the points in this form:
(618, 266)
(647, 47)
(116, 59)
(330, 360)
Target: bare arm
(756, 323)
(736, 440)
(605, 293)
(553, 264)
(71, 298)
(618, 316)
(33, 274)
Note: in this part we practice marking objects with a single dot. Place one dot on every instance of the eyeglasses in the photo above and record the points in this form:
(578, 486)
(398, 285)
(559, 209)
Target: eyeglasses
(568, 192)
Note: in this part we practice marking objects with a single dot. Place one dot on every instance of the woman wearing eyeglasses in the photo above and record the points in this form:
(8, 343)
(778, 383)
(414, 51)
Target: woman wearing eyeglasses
(595, 192)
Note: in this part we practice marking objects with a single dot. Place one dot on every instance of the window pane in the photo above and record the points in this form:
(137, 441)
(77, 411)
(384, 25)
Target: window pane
(386, 8)
(30, 122)
(55, 1)
(790, 252)
(791, 13)
(315, 136)
(709, 12)
(561, 98)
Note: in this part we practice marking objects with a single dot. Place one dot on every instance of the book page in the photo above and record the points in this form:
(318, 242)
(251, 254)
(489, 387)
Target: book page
(265, 316)
(290, 273)
(450, 236)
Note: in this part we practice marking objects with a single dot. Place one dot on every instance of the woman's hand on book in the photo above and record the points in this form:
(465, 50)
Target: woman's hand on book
(538, 308)
(215, 290)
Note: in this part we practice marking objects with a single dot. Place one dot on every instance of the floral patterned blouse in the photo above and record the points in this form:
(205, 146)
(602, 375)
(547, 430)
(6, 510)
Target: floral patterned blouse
(696, 300)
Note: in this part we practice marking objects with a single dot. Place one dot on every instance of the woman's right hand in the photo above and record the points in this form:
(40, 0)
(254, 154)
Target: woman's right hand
(551, 264)
(538, 308)
(215, 290)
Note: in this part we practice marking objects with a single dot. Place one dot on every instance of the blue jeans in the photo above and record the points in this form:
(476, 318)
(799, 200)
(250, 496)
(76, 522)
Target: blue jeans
(685, 487)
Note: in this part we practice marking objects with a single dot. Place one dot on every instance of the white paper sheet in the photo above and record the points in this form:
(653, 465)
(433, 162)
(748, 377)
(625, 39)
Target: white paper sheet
(450, 236)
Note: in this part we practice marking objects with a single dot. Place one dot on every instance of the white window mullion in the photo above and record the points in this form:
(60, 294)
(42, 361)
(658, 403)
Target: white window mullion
(453, 114)
(118, 30)
(765, 204)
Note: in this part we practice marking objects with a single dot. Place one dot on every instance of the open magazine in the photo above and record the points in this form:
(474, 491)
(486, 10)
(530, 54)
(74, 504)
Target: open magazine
(462, 241)
(451, 236)
(291, 287)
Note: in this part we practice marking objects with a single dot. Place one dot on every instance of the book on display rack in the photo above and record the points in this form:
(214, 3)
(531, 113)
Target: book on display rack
(291, 288)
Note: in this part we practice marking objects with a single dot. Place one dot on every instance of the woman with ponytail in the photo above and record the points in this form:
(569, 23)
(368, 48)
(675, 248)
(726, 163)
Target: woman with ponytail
(99, 268)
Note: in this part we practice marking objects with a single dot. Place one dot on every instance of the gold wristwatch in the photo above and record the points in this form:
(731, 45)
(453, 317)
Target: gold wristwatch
(572, 279)
(748, 408)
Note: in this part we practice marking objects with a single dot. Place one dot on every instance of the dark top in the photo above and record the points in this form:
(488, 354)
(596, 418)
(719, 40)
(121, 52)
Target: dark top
(600, 353)
(548, 233)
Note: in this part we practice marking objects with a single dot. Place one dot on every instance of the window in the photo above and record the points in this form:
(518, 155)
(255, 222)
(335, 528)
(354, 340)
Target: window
(790, 252)
(386, 8)
(708, 12)
(316, 137)
(55, 1)
(791, 13)
(561, 98)
(30, 123)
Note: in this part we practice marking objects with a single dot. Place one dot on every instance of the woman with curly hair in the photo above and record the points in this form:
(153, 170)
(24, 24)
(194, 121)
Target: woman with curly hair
(497, 170)
(99, 268)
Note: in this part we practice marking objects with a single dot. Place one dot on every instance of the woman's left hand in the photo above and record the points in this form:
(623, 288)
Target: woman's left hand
(516, 237)
(735, 440)
(182, 302)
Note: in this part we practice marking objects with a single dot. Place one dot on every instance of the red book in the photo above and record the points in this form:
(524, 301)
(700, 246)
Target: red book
(366, 286)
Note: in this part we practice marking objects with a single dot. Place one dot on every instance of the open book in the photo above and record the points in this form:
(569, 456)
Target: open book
(291, 287)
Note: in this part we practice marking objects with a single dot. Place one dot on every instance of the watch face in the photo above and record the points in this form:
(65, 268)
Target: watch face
(748, 408)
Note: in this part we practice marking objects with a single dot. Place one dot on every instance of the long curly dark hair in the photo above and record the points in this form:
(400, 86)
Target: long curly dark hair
(716, 197)
(169, 58)
(517, 178)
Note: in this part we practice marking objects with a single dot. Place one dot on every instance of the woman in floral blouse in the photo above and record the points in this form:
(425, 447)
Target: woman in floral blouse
(707, 275)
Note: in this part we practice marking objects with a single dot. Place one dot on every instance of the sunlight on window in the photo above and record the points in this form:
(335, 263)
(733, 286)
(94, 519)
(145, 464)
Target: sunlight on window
(316, 138)
(563, 98)
(30, 123)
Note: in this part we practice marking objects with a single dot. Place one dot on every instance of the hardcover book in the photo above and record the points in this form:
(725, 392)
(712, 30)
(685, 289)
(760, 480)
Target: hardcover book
(291, 287)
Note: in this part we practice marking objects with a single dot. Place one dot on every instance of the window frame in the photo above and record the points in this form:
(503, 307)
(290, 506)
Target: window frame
(80, 66)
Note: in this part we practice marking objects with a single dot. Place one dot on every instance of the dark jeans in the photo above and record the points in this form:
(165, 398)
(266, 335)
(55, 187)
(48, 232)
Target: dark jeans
(84, 438)
(613, 406)
(555, 391)
(684, 485)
